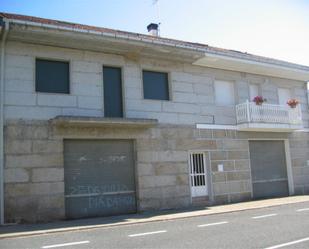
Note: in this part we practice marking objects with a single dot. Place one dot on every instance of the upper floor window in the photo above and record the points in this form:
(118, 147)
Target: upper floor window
(155, 85)
(52, 76)
(284, 94)
(224, 92)
(253, 91)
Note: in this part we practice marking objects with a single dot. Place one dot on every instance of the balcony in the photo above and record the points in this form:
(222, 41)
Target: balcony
(268, 117)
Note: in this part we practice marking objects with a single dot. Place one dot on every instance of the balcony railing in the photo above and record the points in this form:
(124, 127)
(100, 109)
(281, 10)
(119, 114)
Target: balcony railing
(268, 116)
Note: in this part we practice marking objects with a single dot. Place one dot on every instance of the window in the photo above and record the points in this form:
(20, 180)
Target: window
(155, 85)
(52, 76)
(284, 95)
(224, 92)
(253, 91)
(112, 92)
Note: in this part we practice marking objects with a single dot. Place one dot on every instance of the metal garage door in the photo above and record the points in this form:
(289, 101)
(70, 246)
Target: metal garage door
(99, 178)
(268, 169)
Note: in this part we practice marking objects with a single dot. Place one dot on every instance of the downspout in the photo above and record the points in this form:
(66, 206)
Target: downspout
(5, 29)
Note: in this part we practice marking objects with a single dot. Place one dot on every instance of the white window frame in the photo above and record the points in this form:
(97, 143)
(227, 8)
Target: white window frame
(232, 98)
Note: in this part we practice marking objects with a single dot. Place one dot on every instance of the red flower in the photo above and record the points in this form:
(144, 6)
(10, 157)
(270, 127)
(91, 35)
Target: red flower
(259, 100)
(292, 102)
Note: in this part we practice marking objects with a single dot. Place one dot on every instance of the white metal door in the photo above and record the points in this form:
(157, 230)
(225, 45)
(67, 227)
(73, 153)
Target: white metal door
(198, 174)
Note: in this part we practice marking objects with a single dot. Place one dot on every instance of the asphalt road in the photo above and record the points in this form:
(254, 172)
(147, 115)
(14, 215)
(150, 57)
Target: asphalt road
(285, 226)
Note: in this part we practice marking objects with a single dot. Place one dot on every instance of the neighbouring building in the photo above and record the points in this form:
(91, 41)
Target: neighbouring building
(97, 122)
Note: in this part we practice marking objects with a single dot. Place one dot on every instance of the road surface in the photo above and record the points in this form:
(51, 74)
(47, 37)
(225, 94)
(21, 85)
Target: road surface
(285, 226)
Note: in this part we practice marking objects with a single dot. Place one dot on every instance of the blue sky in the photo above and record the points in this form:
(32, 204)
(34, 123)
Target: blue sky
(273, 28)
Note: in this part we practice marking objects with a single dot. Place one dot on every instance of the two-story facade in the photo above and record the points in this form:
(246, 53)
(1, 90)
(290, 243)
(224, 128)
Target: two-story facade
(100, 122)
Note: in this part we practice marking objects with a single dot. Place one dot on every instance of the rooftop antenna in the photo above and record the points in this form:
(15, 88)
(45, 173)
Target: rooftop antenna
(153, 28)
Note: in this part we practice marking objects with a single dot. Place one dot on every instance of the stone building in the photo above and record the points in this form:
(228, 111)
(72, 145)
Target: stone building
(100, 122)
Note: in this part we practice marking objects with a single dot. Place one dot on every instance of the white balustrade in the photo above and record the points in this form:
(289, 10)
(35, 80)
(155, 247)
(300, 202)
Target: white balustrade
(249, 112)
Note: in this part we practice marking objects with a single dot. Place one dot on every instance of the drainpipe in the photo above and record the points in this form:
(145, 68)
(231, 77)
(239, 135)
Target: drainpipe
(5, 29)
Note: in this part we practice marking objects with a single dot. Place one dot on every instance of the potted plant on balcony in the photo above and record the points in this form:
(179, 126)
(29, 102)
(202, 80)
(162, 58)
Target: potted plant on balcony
(292, 103)
(258, 100)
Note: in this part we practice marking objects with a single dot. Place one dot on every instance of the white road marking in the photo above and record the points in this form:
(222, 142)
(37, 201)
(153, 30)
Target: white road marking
(67, 244)
(302, 209)
(149, 233)
(263, 216)
(289, 243)
(213, 224)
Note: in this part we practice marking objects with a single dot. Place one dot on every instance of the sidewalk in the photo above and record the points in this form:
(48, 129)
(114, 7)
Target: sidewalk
(10, 231)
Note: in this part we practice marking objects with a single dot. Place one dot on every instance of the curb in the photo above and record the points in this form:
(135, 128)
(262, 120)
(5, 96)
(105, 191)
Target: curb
(165, 217)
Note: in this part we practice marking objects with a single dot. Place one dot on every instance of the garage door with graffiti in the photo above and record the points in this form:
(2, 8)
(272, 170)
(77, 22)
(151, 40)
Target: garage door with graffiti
(99, 178)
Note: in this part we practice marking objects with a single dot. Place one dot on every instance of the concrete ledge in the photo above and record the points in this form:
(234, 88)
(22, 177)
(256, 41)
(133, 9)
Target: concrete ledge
(11, 231)
(103, 122)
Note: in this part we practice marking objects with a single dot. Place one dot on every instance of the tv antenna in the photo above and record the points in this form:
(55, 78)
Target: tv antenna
(157, 15)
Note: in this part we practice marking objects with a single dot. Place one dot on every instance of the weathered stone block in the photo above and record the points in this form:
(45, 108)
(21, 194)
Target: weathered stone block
(233, 144)
(179, 86)
(239, 186)
(157, 181)
(47, 188)
(240, 197)
(175, 191)
(145, 169)
(34, 160)
(238, 175)
(47, 146)
(149, 204)
(50, 214)
(57, 100)
(227, 165)
(151, 144)
(169, 168)
(16, 175)
(218, 155)
(17, 189)
(238, 155)
(224, 134)
(150, 193)
(172, 156)
(18, 98)
(182, 179)
(221, 199)
(47, 174)
(90, 102)
(191, 144)
(50, 202)
(220, 188)
(178, 202)
(219, 177)
(18, 146)
(242, 164)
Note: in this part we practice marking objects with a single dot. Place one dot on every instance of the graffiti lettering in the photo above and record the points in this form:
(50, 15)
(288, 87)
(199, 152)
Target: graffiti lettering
(111, 201)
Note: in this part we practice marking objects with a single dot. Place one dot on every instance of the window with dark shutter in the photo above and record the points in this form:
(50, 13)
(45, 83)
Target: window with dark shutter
(112, 92)
(155, 85)
(52, 76)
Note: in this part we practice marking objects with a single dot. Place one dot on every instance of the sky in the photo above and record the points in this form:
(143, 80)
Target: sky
(273, 28)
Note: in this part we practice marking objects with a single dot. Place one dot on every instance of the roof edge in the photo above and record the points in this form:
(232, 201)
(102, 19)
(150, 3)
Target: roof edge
(118, 34)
